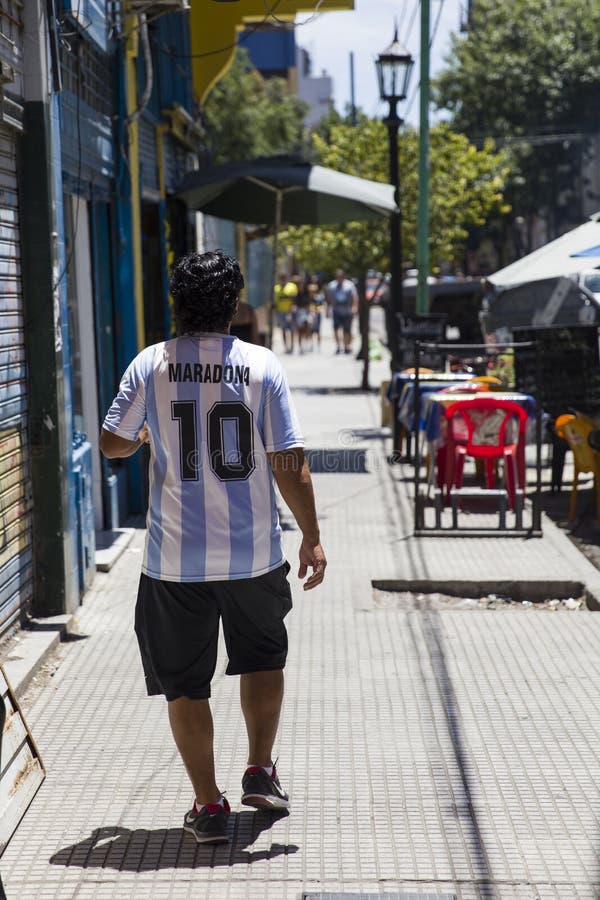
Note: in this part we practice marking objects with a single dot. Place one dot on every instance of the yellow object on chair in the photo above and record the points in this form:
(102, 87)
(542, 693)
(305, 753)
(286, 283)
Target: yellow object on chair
(490, 380)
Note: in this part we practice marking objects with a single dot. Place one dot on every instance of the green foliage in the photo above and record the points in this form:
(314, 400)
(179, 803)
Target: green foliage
(523, 65)
(324, 127)
(527, 69)
(466, 187)
(250, 116)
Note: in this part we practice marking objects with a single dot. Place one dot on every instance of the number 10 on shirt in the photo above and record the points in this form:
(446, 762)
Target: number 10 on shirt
(230, 440)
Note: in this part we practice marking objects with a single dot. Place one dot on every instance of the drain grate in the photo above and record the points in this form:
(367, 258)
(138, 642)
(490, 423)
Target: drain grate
(410, 896)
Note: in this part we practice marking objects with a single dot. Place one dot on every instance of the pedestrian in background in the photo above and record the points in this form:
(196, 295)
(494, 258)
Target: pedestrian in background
(317, 300)
(285, 293)
(342, 297)
(221, 424)
(303, 316)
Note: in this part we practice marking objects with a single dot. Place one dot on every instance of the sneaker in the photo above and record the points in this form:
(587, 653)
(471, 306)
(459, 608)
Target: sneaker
(263, 791)
(209, 823)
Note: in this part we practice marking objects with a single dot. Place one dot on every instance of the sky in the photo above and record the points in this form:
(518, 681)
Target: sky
(366, 31)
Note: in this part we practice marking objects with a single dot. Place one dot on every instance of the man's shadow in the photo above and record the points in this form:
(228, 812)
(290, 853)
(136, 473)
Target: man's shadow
(144, 850)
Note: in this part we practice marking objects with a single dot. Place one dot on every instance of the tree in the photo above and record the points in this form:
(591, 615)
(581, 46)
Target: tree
(531, 72)
(249, 116)
(466, 188)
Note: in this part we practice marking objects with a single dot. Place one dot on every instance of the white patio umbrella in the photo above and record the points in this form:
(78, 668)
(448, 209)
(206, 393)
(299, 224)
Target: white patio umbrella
(569, 254)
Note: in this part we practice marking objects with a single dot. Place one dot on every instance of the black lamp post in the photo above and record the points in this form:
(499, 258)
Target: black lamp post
(394, 67)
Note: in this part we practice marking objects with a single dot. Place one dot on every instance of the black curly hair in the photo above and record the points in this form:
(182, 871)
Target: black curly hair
(205, 288)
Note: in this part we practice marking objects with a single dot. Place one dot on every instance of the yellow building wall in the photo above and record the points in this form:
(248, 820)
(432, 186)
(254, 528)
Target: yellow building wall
(214, 28)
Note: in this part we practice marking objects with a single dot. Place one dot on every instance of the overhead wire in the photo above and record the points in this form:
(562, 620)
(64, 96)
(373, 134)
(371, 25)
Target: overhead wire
(270, 16)
(243, 36)
(413, 16)
(403, 13)
(147, 51)
(315, 14)
(431, 40)
(271, 13)
(79, 17)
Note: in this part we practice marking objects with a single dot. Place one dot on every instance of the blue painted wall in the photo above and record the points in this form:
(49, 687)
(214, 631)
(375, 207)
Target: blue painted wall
(172, 75)
(92, 16)
(270, 51)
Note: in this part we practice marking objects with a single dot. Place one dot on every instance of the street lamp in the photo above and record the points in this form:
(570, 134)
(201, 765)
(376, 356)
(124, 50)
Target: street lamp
(394, 67)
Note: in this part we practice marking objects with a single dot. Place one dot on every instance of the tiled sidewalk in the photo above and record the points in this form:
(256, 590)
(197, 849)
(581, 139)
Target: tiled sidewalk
(426, 752)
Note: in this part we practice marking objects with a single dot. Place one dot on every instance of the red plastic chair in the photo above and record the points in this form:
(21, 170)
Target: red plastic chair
(487, 422)
(461, 387)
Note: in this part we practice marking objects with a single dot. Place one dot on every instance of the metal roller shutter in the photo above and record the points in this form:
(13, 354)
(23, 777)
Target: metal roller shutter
(16, 561)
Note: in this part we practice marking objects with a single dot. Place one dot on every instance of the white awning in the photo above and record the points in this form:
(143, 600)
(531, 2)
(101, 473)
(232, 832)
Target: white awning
(569, 254)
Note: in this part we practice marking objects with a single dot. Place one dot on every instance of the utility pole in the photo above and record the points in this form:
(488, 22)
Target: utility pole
(422, 305)
(352, 94)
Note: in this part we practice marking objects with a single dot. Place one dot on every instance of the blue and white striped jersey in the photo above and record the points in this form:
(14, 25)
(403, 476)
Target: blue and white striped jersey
(214, 406)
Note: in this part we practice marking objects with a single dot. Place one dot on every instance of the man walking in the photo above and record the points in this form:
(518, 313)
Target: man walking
(342, 297)
(221, 424)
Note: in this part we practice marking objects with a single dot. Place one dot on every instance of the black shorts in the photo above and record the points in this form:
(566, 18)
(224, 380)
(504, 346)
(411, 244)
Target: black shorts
(342, 319)
(177, 627)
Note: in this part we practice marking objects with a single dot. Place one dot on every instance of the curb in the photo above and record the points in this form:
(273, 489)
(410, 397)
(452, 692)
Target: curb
(110, 545)
(537, 590)
(582, 569)
(35, 644)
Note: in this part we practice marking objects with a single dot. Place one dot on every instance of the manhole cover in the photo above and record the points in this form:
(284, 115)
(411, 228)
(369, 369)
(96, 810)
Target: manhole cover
(410, 896)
